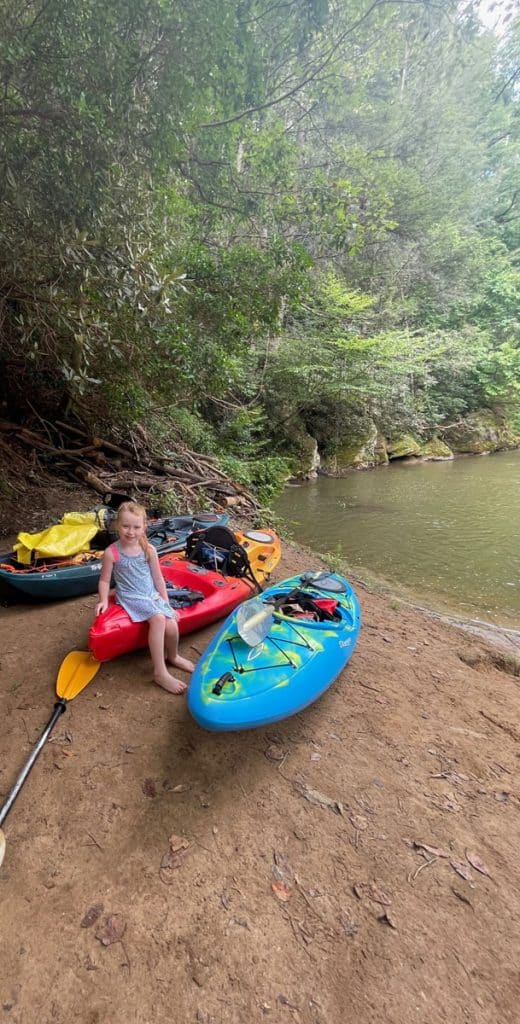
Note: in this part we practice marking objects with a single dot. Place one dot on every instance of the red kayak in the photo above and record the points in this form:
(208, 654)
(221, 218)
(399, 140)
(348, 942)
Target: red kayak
(199, 596)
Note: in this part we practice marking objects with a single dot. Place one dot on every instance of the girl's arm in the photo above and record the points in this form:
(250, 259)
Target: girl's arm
(104, 581)
(157, 575)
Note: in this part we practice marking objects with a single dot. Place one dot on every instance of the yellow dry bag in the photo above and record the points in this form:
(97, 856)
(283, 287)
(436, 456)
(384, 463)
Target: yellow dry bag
(72, 535)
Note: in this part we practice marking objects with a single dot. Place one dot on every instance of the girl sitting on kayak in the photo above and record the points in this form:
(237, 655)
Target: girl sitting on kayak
(141, 591)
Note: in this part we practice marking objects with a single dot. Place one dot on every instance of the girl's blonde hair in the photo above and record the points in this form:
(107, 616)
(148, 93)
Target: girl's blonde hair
(136, 510)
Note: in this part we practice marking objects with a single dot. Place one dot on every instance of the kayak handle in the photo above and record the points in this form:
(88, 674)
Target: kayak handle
(220, 684)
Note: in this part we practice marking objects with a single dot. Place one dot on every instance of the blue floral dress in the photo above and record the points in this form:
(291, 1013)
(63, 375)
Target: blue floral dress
(135, 588)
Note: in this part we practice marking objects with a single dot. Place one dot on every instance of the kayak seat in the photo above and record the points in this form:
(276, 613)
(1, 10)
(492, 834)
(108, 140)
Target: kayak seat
(218, 549)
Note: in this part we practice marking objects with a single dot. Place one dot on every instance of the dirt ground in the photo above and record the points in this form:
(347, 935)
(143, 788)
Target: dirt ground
(386, 815)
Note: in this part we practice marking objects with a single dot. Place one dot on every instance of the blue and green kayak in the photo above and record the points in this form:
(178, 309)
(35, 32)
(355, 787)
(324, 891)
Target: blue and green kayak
(312, 626)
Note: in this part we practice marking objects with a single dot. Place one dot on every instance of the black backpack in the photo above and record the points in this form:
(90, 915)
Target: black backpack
(217, 548)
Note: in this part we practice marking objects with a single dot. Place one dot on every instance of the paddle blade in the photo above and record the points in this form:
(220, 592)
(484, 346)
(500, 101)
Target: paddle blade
(254, 620)
(76, 671)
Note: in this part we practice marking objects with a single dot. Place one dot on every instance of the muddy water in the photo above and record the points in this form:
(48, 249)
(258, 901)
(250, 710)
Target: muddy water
(446, 533)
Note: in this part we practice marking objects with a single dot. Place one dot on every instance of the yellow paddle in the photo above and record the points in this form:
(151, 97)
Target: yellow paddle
(76, 671)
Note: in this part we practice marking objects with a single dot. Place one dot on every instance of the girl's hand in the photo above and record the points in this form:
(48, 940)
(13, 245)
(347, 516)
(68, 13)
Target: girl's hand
(101, 607)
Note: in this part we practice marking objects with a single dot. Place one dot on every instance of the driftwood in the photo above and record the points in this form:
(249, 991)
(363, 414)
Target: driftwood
(109, 465)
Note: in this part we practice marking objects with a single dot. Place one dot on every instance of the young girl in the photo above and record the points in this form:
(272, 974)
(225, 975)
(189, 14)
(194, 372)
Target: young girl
(141, 591)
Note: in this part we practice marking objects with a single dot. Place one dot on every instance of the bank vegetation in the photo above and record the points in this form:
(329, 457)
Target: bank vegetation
(258, 232)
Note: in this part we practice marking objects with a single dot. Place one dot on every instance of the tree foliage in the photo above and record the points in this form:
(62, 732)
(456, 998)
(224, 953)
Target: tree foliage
(248, 210)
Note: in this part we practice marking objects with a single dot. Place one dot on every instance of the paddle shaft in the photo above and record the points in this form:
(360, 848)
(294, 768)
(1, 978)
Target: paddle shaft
(59, 707)
(274, 606)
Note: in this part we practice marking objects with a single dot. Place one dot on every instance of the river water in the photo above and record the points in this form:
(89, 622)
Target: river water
(443, 533)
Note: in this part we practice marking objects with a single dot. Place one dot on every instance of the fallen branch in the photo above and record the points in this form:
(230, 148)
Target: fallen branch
(133, 468)
(92, 480)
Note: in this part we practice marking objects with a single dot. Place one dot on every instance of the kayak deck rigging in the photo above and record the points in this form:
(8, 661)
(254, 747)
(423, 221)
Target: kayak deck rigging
(233, 641)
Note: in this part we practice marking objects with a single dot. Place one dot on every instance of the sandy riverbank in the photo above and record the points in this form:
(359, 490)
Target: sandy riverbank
(402, 900)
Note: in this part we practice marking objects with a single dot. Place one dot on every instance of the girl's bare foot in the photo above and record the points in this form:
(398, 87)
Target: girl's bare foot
(183, 663)
(170, 683)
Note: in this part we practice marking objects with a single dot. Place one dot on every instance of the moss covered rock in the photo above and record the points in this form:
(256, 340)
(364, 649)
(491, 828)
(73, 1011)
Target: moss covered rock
(481, 432)
(363, 452)
(305, 457)
(435, 451)
(403, 447)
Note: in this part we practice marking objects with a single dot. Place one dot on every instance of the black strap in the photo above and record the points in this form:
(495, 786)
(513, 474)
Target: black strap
(231, 558)
(182, 597)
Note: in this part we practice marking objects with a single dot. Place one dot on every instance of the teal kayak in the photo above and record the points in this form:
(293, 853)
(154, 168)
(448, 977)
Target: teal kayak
(313, 622)
(55, 579)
